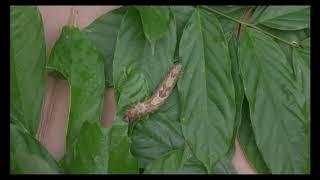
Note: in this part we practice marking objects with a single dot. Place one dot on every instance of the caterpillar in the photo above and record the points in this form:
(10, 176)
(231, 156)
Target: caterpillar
(158, 98)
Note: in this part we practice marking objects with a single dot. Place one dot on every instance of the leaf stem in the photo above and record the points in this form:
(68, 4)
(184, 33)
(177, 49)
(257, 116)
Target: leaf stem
(292, 44)
(73, 17)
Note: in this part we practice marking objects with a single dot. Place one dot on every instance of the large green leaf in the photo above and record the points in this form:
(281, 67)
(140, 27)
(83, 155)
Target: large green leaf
(275, 101)
(27, 67)
(302, 38)
(89, 152)
(155, 21)
(206, 89)
(248, 143)
(224, 165)
(75, 56)
(285, 17)
(28, 156)
(103, 32)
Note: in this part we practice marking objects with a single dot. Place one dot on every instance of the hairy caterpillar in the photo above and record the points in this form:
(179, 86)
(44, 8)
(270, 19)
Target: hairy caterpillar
(157, 99)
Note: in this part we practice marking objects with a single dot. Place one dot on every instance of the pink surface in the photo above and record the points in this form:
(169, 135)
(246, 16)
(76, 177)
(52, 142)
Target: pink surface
(52, 129)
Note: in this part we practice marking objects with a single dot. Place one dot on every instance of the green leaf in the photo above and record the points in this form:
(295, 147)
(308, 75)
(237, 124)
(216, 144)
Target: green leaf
(224, 165)
(206, 89)
(90, 151)
(169, 163)
(28, 156)
(75, 56)
(301, 65)
(290, 36)
(103, 32)
(275, 102)
(108, 153)
(160, 135)
(237, 12)
(155, 21)
(178, 161)
(248, 143)
(27, 67)
(192, 166)
(237, 82)
(285, 17)
(139, 55)
(182, 15)
(259, 10)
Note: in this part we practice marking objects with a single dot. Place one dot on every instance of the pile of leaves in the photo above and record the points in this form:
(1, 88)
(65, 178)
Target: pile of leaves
(246, 76)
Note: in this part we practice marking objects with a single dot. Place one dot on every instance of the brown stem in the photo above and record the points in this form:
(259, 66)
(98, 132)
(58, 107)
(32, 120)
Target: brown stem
(245, 18)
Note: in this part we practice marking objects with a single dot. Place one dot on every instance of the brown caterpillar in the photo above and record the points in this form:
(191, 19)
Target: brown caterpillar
(157, 99)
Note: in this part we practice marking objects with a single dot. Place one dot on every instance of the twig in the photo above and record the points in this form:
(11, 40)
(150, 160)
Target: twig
(292, 44)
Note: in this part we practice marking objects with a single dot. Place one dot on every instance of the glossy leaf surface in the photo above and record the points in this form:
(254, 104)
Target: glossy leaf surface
(206, 89)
